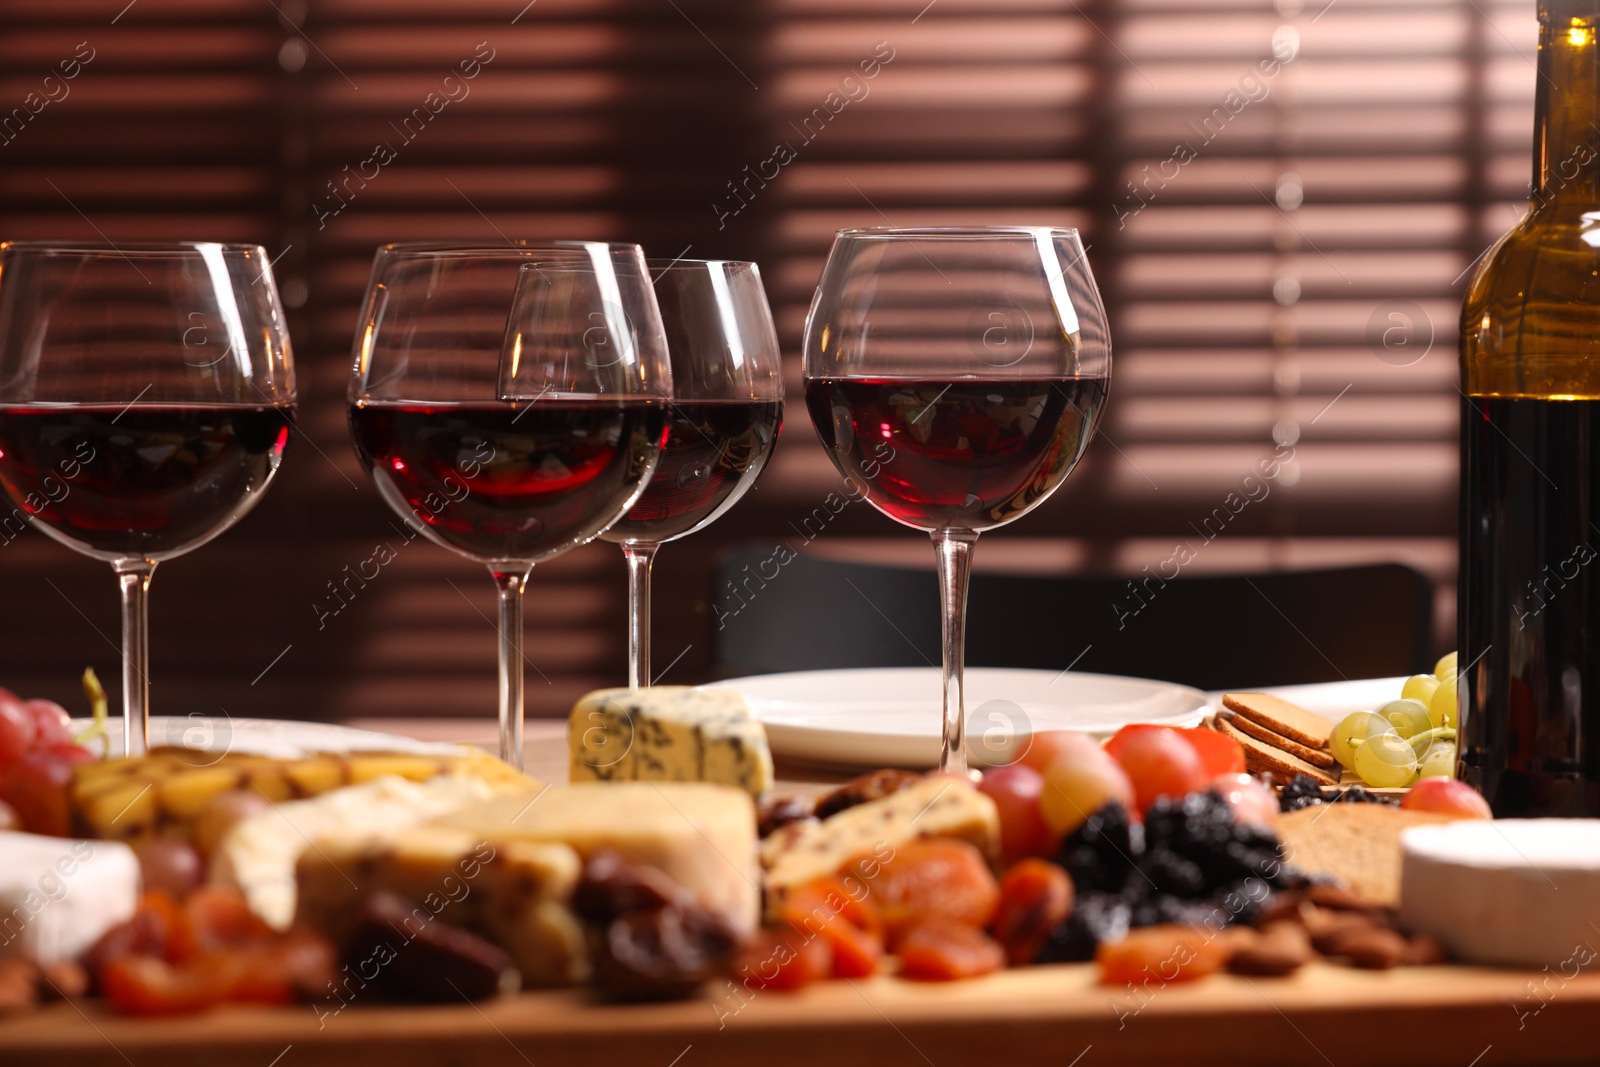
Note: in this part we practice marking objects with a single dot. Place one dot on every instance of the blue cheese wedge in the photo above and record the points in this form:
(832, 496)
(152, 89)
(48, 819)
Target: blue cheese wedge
(518, 894)
(669, 733)
(57, 896)
(938, 806)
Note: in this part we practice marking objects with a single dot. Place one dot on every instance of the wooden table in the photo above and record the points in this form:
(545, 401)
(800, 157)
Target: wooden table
(1446, 1016)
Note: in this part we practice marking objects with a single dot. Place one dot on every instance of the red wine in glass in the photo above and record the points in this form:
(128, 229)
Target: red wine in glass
(500, 481)
(147, 480)
(715, 450)
(963, 454)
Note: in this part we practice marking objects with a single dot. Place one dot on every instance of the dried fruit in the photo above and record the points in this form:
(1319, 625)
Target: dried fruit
(940, 952)
(1280, 948)
(413, 956)
(1035, 898)
(783, 961)
(1161, 954)
(777, 812)
(843, 915)
(871, 786)
(930, 880)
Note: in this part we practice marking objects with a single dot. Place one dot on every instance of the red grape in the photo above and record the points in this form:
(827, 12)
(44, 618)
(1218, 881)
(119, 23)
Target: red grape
(1044, 748)
(36, 788)
(1161, 763)
(1448, 796)
(1079, 783)
(52, 721)
(17, 731)
(1015, 791)
(1251, 801)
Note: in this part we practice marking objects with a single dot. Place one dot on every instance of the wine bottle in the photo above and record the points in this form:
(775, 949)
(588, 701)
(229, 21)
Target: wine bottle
(1529, 591)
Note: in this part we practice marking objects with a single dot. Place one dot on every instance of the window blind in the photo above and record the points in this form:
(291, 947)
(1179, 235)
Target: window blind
(1282, 204)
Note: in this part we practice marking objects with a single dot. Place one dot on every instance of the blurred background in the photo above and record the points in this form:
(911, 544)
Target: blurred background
(1282, 203)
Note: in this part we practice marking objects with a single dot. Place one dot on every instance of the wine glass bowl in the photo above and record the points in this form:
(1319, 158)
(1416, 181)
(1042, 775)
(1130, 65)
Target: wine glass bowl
(957, 376)
(146, 399)
(725, 416)
(509, 402)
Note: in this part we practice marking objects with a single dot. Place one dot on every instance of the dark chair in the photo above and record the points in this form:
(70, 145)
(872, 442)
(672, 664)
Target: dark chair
(798, 612)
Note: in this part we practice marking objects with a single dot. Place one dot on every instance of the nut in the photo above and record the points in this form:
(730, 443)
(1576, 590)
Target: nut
(1374, 948)
(19, 985)
(64, 980)
(1424, 950)
(1280, 949)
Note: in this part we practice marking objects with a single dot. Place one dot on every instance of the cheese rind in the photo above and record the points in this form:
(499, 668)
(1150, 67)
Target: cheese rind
(1516, 892)
(701, 836)
(258, 855)
(669, 733)
(933, 807)
(516, 893)
(57, 895)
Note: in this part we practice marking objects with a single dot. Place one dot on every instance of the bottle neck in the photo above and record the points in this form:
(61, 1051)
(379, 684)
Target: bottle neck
(1566, 139)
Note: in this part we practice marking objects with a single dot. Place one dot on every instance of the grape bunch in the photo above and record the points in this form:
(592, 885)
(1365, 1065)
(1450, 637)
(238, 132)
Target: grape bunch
(1407, 739)
(37, 754)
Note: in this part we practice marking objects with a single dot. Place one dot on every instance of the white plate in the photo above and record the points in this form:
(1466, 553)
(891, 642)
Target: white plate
(1332, 700)
(278, 738)
(889, 717)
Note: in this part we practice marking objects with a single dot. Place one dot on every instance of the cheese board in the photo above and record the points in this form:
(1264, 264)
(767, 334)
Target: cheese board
(654, 841)
(1416, 1017)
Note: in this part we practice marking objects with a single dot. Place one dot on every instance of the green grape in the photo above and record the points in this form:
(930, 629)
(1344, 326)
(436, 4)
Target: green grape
(1442, 708)
(1438, 762)
(1419, 687)
(1357, 726)
(1386, 761)
(1445, 669)
(1409, 717)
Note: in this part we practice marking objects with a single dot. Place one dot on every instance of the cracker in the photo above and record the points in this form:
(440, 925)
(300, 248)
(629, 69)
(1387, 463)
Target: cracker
(1281, 717)
(1262, 758)
(1319, 756)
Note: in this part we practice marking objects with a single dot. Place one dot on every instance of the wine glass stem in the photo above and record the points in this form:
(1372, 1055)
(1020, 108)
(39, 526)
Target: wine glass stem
(640, 556)
(954, 549)
(134, 577)
(511, 579)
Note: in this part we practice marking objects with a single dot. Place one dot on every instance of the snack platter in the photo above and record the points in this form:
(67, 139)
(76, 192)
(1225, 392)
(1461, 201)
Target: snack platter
(1323, 970)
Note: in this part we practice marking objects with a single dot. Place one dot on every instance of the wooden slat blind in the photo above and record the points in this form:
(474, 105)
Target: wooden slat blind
(1260, 283)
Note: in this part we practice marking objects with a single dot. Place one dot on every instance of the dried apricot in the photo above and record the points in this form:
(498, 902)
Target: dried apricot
(929, 880)
(1035, 898)
(1157, 955)
(775, 960)
(829, 909)
(944, 952)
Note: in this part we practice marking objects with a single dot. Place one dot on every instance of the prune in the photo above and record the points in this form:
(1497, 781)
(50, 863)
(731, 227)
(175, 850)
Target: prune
(872, 786)
(420, 958)
(778, 812)
(1095, 917)
(651, 940)
(1099, 854)
(662, 953)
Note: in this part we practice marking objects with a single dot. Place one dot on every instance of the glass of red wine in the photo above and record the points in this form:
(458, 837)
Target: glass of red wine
(957, 375)
(510, 403)
(146, 397)
(727, 409)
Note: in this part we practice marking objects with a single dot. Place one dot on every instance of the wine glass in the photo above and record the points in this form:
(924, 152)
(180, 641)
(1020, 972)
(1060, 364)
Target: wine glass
(510, 403)
(146, 398)
(726, 412)
(958, 375)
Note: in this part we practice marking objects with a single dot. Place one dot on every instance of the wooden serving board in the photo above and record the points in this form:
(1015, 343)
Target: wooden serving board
(1325, 1014)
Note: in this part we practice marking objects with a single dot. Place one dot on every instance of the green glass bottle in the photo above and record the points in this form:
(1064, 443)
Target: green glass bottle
(1529, 592)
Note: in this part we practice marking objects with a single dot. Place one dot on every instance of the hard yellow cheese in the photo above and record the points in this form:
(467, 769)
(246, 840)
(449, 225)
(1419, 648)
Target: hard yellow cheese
(701, 836)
